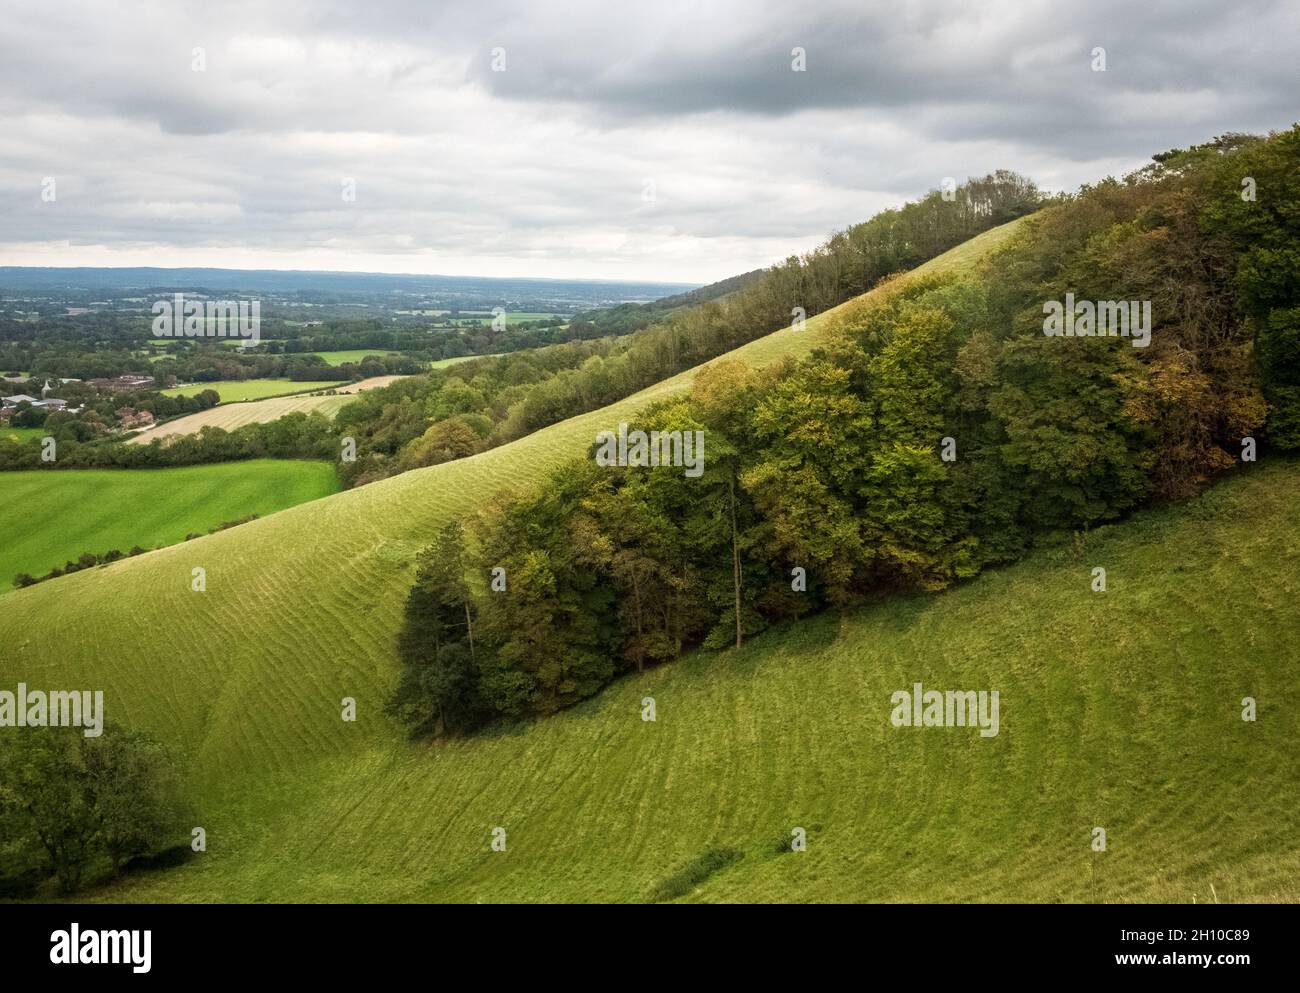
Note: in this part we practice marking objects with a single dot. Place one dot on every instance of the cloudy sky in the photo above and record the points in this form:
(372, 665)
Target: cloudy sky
(667, 140)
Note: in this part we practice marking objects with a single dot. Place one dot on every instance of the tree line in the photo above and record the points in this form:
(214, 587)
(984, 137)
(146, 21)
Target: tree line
(489, 402)
(293, 436)
(935, 431)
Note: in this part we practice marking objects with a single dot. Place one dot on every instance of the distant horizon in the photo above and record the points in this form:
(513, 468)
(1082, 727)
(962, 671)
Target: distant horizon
(5, 267)
(539, 142)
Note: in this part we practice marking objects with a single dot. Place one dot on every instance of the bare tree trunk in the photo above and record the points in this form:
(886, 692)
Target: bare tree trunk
(469, 630)
(735, 559)
(640, 649)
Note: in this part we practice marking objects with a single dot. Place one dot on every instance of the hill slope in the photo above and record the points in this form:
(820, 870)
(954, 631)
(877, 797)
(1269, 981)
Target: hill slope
(303, 602)
(1134, 730)
(1119, 710)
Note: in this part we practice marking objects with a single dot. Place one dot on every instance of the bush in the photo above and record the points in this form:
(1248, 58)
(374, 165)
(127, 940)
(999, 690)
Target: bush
(695, 872)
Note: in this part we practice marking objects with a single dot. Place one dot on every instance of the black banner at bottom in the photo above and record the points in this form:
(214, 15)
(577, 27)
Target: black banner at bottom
(142, 943)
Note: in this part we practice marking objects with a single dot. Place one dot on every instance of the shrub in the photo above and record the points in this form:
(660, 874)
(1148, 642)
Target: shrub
(695, 872)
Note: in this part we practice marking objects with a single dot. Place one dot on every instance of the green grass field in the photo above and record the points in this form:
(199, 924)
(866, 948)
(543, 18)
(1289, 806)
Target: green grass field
(21, 434)
(357, 354)
(444, 363)
(1118, 710)
(517, 317)
(234, 391)
(351, 355)
(56, 515)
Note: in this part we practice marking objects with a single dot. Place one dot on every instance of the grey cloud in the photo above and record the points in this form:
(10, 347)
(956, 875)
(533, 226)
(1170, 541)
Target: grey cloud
(1005, 70)
(460, 168)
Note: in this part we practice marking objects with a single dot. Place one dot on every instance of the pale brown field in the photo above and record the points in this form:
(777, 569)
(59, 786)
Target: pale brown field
(235, 415)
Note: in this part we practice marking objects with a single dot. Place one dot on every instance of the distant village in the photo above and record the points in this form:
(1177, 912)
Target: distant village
(13, 408)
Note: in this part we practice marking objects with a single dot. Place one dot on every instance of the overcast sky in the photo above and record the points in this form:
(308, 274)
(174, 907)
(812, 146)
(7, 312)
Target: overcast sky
(665, 140)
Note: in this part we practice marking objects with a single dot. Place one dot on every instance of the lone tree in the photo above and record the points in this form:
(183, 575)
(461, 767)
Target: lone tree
(78, 799)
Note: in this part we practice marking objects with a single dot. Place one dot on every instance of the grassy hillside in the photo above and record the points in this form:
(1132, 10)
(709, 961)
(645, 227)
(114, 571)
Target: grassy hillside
(53, 516)
(1119, 710)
